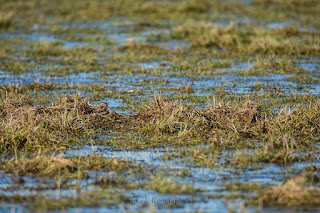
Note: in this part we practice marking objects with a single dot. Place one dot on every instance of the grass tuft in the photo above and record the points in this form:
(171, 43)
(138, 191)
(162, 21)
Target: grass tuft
(293, 193)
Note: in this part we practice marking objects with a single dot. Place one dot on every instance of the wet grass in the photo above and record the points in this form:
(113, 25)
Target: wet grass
(248, 39)
(218, 100)
(103, 40)
(82, 11)
(247, 120)
(32, 126)
(280, 65)
(167, 186)
(293, 193)
(95, 198)
(159, 122)
(57, 166)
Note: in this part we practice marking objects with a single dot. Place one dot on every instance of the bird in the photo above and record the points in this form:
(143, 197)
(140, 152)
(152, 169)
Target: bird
(102, 109)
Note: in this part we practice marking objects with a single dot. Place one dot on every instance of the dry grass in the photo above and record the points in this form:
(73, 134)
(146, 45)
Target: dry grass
(298, 4)
(164, 117)
(278, 137)
(293, 193)
(39, 165)
(167, 186)
(279, 65)
(248, 39)
(207, 137)
(6, 20)
(42, 202)
(44, 165)
(24, 125)
(247, 120)
(72, 118)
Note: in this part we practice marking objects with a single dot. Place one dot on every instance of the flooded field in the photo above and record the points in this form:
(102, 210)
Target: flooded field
(160, 106)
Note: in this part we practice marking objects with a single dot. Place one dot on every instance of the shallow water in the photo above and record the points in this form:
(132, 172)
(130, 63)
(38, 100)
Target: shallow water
(158, 76)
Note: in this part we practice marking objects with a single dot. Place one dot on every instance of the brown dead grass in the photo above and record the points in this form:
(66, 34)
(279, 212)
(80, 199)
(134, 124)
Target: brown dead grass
(164, 117)
(71, 118)
(40, 165)
(6, 20)
(44, 165)
(293, 193)
(171, 117)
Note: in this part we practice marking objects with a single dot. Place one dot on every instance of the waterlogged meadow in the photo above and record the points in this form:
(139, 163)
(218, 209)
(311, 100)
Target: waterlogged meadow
(160, 106)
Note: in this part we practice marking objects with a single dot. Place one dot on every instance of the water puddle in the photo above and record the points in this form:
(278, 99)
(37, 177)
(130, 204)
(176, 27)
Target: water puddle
(122, 87)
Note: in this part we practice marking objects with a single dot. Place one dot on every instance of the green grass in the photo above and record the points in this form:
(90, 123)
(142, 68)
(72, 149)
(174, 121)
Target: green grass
(57, 166)
(167, 186)
(95, 198)
(217, 127)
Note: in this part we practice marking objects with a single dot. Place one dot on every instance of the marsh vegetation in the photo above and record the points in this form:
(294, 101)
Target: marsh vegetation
(147, 106)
